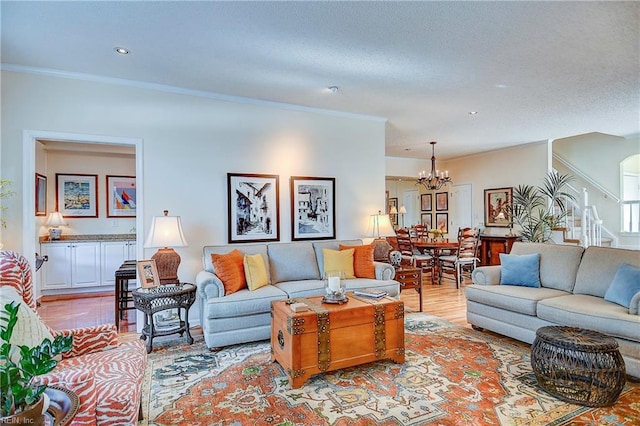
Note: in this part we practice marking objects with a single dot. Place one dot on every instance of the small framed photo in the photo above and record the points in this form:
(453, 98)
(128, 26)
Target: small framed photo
(496, 211)
(148, 273)
(41, 195)
(313, 208)
(121, 196)
(425, 202)
(442, 222)
(426, 219)
(442, 201)
(253, 207)
(77, 195)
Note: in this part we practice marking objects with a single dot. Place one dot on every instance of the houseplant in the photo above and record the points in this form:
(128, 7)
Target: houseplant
(19, 394)
(539, 210)
(5, 192)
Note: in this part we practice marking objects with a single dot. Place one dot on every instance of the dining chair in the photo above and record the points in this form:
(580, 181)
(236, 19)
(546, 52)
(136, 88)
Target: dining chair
(466, 255)
(412, 255)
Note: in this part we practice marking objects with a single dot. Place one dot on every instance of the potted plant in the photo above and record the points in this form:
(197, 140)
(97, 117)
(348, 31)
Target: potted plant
(539, 210)
(21, 400)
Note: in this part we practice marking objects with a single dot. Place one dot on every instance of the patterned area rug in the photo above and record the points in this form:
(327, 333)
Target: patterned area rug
(452, 376)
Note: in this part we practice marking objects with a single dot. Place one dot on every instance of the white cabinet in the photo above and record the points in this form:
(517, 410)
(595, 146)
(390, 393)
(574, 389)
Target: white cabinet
(71, 265)
(114, 253)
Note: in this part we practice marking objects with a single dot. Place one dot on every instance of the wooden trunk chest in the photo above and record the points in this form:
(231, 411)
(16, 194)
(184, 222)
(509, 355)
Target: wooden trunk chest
(328, 337)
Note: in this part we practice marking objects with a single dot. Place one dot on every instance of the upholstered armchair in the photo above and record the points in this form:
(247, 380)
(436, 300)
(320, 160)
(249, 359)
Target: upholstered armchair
(106, 376)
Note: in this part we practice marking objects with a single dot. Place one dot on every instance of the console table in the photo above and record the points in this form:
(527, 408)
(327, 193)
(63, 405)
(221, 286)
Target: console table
(492, 245)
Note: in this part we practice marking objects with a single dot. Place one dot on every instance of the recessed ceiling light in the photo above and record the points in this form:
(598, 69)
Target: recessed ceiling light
(333, 89)
(122, 50)
(473, 112)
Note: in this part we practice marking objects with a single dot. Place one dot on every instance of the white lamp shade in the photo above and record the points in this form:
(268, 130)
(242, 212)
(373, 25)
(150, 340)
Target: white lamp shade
(403, 210)
(55, 219)
(393, 210)
(380, 226)
(166, 231)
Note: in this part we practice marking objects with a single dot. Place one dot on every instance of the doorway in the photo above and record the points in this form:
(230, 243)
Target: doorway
(461, 208)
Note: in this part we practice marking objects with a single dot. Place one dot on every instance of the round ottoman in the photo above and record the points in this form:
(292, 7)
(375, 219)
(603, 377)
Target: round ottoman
(577, 365)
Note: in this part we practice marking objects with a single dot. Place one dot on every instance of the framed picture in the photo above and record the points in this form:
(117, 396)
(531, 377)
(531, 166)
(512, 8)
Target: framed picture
(41, 195)
(425, 202)
(426, 219)
(442, 201)
(254, 212)
(442, 222)
(148, 273)
(313, 208)
(77, 195)
(393, 217)
(121, 196)
(496, 202)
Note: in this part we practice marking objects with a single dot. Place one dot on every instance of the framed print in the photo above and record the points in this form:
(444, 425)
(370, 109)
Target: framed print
(426, 219)
(121, 196)
(254, 212)
(41, 195)
(442, 222)
(313, 211)
(77, 195)
(442, 201)
(496, 211)
(393, 217)
(425, 202)
(148, 273)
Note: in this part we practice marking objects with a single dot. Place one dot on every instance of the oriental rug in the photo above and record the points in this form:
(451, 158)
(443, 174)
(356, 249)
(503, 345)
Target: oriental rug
(452, 376)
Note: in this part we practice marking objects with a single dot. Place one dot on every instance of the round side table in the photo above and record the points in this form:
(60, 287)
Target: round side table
(577, 365)
(161, 298)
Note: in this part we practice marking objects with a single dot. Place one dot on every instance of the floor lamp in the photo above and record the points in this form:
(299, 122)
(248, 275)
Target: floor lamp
(166, 233)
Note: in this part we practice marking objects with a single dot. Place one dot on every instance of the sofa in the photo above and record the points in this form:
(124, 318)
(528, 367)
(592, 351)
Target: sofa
(294, 270)
(106, 376)
(573, 284)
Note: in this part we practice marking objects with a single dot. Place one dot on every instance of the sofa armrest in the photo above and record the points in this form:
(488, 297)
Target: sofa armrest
(209, 285)
(384, 271)
(486, 275)
(634, 306)
(90, 339)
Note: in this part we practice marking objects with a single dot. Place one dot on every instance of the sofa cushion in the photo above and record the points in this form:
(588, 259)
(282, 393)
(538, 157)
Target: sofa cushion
(523, 300)
(244, 249)
(302, 288)
(625, 285)
(333, 245)
(292, 262)
(599, 266)
(339, 261)
(255, 272)
(520, 270)
(363, 266)
(241, 303)
(558, 263)
(230, 269)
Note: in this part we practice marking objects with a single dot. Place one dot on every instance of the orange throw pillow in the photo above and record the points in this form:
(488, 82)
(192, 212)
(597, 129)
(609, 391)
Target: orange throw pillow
(230, 269)
(363, 266)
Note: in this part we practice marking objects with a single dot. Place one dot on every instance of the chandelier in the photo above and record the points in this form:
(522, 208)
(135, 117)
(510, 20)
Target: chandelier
(434, 180)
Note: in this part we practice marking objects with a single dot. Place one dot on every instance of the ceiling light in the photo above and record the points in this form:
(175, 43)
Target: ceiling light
(122, 50)
(473, 112)
(333, 89)
(434, 180)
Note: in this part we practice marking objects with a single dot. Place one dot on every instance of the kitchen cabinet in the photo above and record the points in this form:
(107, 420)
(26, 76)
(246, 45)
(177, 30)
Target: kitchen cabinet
(114, 253)
(71, 264)
(492, 245)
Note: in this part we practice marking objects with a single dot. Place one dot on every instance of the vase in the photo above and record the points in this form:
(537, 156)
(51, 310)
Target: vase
(32, 415)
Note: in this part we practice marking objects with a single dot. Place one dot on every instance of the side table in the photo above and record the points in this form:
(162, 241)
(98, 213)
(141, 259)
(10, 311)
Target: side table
(63, 406)
(410, 277)
(161, 298)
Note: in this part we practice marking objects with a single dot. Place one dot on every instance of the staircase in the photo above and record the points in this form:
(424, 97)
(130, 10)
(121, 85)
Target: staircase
(581, 225)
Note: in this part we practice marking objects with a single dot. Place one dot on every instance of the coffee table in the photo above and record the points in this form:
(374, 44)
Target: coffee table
(327, 337)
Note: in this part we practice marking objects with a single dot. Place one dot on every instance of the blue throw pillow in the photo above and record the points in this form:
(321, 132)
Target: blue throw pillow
(624, 286)
(522, 270)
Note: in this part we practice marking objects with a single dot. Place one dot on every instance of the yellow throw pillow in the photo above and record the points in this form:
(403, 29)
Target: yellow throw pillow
(255, 271)
(339, 260)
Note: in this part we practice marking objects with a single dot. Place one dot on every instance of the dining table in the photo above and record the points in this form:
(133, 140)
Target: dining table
(436, 247)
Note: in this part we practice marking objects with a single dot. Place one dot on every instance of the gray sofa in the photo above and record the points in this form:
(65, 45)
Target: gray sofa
(294, 269)
(573, 284)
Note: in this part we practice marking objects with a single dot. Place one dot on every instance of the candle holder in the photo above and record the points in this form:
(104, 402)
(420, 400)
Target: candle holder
(335, 288)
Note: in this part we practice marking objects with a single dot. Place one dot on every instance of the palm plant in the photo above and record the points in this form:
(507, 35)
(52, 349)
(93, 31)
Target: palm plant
(539, 210)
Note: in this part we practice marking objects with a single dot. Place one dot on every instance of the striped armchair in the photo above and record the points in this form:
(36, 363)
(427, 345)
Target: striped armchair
(107, 377)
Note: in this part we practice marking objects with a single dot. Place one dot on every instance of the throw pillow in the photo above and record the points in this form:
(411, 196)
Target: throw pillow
(255, 271)
(339, 260)
(363, 266)
(522, 270)
(230, 269)
(625, 285)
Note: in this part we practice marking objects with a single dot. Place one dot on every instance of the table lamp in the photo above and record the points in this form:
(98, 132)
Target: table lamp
(166, 233)
(380, 228)
(54, 220)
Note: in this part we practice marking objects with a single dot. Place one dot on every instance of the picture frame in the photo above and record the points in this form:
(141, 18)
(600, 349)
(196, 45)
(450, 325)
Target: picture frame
(148, 276)
(442, 222)
(41, 195)
(496, 211)
(121, 196)
(442, 201)
(313, 208)
(393, 217)
(77, 195)
(425, 202)
(426, 219)
(253, 207)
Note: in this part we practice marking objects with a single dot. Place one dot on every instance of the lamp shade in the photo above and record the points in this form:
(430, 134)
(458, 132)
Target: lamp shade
(393, 210)
(55, 219)
(166, 231)
(403, 210)
(380, 226)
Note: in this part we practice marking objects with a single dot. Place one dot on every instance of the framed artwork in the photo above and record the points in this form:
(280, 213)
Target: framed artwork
(41, 195)
(313, 208)
(254, 211)
(77, 195)
(121, 196)
(148, 273)
(442, 201)
(496, 211)
(426, 219)
(425, 202)
(442, 222)
(393, 217)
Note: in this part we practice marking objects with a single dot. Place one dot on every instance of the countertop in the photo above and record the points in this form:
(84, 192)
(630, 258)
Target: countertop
(96, 237)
